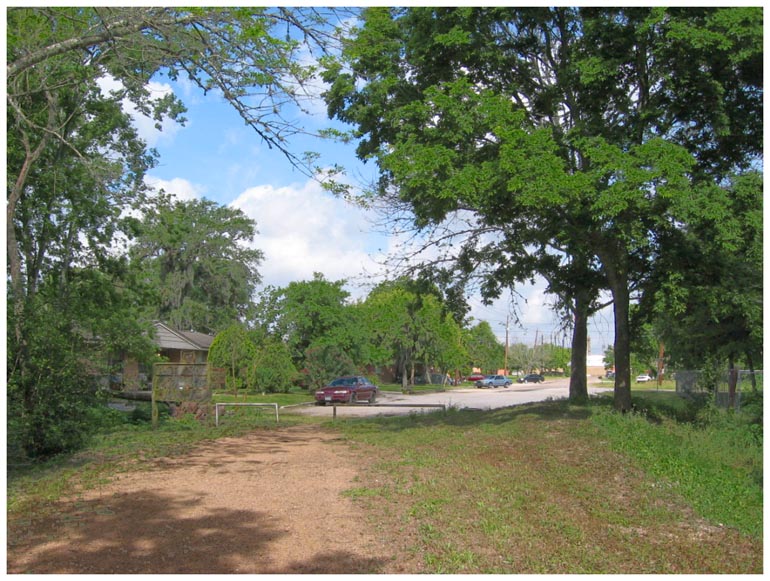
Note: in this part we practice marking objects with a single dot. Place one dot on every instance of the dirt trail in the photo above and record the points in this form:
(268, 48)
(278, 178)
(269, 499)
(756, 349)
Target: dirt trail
(269, 502)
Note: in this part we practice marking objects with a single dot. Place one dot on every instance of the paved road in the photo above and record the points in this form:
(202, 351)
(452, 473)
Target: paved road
(470, 397)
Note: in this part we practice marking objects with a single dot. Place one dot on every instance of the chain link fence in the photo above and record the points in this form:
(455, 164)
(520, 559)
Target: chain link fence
(694, 383)
(186, 385)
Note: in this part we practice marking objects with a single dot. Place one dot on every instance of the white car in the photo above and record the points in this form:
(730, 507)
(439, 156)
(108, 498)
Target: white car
(643, 378)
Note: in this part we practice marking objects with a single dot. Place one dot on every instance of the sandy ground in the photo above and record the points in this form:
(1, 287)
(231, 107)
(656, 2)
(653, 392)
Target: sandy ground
(269, 502)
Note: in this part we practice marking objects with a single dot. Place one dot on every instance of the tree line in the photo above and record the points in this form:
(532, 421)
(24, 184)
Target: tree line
(616, 152)
(310, 331)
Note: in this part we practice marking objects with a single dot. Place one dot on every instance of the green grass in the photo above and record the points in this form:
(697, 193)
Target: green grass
(544, 488)
(281, 399)
(554, 488)
(423, 388)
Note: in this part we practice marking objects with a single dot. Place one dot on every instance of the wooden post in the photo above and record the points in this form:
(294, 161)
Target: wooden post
(154, 403)
(660, 364)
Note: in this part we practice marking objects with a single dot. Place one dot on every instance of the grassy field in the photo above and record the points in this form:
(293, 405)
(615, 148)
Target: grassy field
(541, 488)
(554, 488)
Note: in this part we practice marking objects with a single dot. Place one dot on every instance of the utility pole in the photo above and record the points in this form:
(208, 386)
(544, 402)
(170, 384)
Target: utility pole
(505, 362)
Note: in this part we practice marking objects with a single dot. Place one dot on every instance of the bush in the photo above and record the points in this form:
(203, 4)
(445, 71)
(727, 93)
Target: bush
(325, 362)
(51, 395)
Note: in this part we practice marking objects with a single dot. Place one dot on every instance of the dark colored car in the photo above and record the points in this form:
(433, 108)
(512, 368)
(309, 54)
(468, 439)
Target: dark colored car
(474, 377)
(349, 389)
(532, 378)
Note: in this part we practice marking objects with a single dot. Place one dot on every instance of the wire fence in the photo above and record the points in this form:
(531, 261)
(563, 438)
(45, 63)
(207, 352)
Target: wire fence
(187, 385)
(701, 383)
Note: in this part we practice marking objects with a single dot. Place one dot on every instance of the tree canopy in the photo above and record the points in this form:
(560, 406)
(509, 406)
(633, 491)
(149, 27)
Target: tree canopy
(197, 255)
(76, 167)
(575, 136)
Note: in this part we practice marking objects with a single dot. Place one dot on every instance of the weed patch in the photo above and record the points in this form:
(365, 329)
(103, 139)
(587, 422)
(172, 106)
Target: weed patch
(544, 488)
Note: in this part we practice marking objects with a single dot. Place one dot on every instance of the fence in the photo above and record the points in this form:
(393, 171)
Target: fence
(696, 382)
(183, 383)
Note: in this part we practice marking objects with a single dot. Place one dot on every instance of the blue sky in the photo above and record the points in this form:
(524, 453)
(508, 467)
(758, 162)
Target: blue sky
(303, 229)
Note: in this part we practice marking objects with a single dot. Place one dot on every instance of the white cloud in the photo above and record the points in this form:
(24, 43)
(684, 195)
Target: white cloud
(303, 230)
(145, 126)
(179, 187)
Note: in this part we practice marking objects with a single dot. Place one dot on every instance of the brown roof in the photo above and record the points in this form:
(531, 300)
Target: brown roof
(200, 339)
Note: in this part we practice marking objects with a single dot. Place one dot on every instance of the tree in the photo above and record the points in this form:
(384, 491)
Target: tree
(609, 357)
(389, 325)
(272, 370)
(484, 350)
(197, 254)
(309, 313)
(711, 282)
(75, 163)
(566, 130)
(233, 350)
(324, 361)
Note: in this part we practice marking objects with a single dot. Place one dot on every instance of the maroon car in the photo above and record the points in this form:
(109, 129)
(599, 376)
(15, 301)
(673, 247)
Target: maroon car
(350, 389)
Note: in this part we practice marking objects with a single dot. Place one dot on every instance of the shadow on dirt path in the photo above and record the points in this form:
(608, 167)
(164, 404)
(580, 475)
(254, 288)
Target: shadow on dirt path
(269, 502)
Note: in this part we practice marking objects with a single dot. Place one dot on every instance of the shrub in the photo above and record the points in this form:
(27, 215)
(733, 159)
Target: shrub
(51, 395)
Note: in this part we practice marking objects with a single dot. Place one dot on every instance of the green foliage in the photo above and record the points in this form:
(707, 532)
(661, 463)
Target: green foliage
(272, 370)
(233, 350)
(484, 350)
(252, 361)
(76, 170)
(197, 255)
(50, 395)
(711, 281)
(575, 136)
(325, 361)
(408, 324)
(305, 313)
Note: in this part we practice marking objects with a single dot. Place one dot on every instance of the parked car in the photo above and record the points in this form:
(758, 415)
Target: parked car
(532, 378)
(474, 377)
(643, 378)
(494, 381)
(349, 389)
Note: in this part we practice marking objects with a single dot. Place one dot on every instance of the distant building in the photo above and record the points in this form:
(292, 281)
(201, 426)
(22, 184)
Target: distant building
(176, 346)
(595, 365)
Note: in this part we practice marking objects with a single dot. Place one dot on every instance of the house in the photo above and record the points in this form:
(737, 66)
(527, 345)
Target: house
(174, 345)
(595, 365)
(182, 346)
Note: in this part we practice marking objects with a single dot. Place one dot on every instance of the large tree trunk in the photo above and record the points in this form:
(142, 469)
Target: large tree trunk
(620, 295)
(578, 381)
(615, 266)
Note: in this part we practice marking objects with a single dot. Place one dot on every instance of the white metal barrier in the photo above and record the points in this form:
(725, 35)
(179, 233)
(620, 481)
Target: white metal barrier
(334, 415)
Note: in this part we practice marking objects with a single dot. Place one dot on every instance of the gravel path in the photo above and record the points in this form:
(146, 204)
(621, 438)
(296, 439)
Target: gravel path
(269, 502)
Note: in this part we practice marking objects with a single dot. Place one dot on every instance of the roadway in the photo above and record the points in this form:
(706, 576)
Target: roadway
(461, 398)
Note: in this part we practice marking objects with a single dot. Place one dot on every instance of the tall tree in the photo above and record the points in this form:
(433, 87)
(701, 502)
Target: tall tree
(57, 111)
(198, 256)
(711, 281)
(75, 162)
(567, 130)
(308, 314)
(484, 350)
